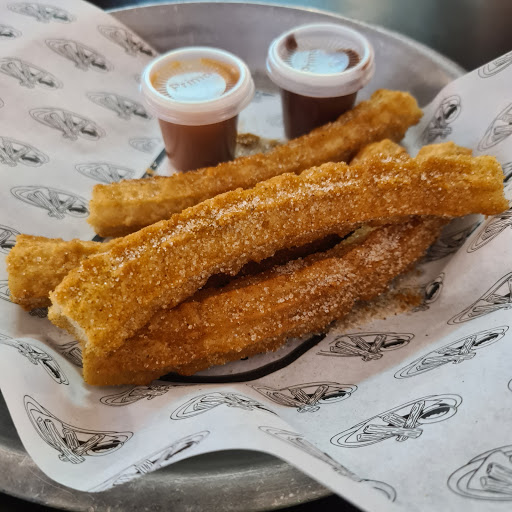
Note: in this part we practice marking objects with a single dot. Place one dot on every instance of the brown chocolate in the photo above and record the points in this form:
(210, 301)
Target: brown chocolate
(193, 147)
(301, 114)
(353, 56)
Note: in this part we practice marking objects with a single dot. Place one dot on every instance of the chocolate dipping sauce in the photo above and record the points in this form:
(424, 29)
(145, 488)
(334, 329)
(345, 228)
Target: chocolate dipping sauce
(192, 147)
(301, 114)
(319, 69)
(197, 94)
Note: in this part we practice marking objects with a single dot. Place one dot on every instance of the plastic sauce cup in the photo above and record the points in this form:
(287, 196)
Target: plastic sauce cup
(197, 93)
(319, 69)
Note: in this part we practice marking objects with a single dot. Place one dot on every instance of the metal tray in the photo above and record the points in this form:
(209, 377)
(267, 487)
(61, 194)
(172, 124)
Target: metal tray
(233, 480)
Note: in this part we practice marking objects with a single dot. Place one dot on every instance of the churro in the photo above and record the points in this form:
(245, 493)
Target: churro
(124, 207)
(112, 295)
(258, 313)
(36, 265)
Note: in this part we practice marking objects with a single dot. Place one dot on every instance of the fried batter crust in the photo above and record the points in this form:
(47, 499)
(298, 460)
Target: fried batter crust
(112, 295)
(121, 208)
(258, 313)
(36, 265)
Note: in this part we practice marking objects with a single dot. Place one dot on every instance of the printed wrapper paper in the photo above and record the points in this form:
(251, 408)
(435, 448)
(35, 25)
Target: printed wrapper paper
(413, 412)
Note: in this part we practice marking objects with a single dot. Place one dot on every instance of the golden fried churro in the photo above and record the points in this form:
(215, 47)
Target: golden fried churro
(112, 295)
(36, 265)
(121, 208)
(258, 313)
(383, 150)
(443, 149)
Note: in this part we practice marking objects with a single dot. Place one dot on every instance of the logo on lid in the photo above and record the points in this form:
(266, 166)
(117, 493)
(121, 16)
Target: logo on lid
(196, 86)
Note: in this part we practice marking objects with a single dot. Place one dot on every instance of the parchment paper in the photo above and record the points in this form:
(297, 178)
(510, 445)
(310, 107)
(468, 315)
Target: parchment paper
(412, 412)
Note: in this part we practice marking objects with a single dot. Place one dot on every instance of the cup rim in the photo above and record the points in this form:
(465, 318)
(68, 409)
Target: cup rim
(322, 85)
(199, 112)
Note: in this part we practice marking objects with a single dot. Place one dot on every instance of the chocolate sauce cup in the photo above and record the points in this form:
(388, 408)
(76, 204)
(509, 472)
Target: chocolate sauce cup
(319, 69)
(197, 93)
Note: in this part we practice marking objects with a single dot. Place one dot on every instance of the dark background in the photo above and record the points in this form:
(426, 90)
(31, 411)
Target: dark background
(470, 32)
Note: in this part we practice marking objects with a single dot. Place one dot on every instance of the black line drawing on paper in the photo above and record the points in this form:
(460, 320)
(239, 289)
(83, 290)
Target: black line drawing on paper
(510, 385)
(499, 129)
(485, 477)
(39, 312)
(308, 397)
(203, 403)
(430, 292)
(449, 243)
(74, 444)
(124, 107)
(507, 171)
(38, 357)
(82, 56)
(42, 12)
(400, 423)
(5, 294)
(57, 202)
(155, 461)
(72, 351)
(71, 125)
(28, 74)
(129, 42)
(7, 32)
(447, 111)
(492, 229)
(7, 238)
(104, 172)
(369, 346)
(300, 442)
(14, 152)
(135, 394)
(497, 298)
(1, 103)
(495, 66)
(454, 353)
(145, 144)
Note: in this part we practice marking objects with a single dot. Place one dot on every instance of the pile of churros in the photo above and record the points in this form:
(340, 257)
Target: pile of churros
(230, 261)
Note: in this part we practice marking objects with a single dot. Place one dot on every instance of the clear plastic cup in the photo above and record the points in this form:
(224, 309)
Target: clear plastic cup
(319, 69)
(197, 93)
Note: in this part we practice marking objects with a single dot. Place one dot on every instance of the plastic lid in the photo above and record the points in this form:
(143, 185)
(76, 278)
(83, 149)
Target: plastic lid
(321, 60)
(197, 86)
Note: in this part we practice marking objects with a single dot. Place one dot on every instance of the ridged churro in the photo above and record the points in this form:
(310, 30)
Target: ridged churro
(258, 313)
(112, 295)
(121, 208)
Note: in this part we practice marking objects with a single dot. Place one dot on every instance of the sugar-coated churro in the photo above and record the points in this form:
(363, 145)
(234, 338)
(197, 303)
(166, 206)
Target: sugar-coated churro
(258, 313)
(121, 208)
(112, 295)
(36, 265)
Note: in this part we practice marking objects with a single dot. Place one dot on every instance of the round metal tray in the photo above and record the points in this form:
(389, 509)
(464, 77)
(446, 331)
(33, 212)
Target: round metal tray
(233, 480)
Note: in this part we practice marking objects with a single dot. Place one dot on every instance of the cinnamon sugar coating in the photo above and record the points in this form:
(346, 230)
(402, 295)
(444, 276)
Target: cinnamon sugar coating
(36, 265)
(112, 295)
(258, 313)
(121, 208)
